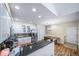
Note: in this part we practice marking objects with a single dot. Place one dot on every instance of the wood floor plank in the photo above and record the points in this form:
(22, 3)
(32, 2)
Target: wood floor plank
(58, 51)
(61, 50)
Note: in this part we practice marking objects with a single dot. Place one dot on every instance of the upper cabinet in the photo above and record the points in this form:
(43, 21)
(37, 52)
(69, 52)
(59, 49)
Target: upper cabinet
(5, 23)
(23, 28)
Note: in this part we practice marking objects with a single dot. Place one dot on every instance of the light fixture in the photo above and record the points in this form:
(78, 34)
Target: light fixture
(34, 9)
(17, 7)
(39, 16)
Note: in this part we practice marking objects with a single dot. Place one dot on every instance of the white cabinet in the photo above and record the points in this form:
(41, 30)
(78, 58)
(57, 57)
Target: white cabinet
(5, 23)
(41, 32)
(17, 28)
(20, 27)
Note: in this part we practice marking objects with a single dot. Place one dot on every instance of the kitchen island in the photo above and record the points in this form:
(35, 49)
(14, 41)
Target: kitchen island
(41, 48)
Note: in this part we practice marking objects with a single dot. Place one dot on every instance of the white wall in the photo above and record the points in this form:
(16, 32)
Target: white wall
(59, 30)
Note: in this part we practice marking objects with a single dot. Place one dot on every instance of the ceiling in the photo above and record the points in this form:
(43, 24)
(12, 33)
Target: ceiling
(51, 13)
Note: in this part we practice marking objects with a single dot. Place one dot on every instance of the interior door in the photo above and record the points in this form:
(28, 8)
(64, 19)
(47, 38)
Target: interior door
(71, 33)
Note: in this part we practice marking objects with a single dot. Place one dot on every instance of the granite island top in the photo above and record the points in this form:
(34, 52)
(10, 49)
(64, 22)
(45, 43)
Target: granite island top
(29, 49)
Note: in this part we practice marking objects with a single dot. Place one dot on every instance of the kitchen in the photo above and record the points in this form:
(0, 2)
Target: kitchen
(34, 29)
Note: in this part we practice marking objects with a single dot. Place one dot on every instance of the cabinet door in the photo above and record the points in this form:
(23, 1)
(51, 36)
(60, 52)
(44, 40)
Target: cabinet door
(5, 23)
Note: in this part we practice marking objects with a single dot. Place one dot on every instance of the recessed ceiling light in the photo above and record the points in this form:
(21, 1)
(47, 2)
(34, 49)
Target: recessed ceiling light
(17, 7)
(39, 16)
(34, 9)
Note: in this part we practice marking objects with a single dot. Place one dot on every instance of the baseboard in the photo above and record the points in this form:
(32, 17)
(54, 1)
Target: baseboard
(71, 45)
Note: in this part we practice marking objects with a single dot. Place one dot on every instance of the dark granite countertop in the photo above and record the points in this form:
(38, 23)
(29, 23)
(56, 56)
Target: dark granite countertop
(27, 50)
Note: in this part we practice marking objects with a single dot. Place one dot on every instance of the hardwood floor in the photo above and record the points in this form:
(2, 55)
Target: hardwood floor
(61, 50)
